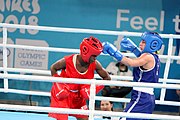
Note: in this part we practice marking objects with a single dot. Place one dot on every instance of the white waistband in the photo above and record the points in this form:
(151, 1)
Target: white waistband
(73, 90)
(145, 90)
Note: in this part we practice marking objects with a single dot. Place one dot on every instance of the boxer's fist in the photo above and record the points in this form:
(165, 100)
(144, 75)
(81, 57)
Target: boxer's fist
(110, 49)
(85, 90)
(61, 89)
(129, 45)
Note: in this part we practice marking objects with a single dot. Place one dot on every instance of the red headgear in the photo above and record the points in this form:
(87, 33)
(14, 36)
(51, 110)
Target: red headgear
(90, 46)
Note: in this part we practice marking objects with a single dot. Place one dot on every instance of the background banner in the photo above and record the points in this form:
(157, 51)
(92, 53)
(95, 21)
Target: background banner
(118, 15)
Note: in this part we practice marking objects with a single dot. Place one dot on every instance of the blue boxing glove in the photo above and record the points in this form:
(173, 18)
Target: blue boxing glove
(110, 49)
(127, 44)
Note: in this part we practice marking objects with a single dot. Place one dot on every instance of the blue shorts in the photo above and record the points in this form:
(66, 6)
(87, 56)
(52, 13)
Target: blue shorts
(140, 103)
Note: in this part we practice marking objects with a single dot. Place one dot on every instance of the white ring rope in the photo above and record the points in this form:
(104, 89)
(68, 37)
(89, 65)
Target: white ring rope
(70, 50)
(87, 81)
(86, 112)
(93, 82)
(79, 30)
(48, 73)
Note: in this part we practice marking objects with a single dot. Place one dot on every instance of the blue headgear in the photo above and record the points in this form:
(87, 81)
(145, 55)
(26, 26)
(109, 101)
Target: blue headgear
(153, 42)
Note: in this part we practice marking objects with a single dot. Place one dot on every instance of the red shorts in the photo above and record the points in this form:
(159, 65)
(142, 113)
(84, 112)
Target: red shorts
(73, 101)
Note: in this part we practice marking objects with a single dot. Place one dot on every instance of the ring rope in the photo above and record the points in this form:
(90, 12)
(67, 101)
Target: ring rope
(87, 81)
(48, 73)
(87, 112)
(70, 50)
(79, 30)
(72, 80)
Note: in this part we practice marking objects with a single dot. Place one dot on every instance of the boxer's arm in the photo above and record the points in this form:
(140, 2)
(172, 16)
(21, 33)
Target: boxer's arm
(85, 89)
(60, 64)
(102, 72)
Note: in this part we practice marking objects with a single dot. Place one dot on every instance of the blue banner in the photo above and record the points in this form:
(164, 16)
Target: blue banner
(118, 15)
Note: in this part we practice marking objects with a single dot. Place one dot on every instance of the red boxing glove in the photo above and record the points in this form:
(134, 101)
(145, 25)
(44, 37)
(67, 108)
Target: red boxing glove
(61, 89)
(99, 88)
(85, 90)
